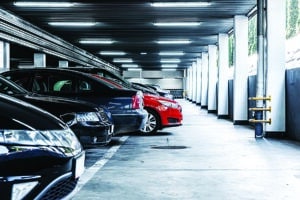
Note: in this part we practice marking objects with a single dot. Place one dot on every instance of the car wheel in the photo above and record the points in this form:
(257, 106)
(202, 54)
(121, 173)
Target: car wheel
(152, 124)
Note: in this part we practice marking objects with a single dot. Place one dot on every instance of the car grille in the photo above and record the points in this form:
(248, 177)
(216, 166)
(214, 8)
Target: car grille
(60, 189)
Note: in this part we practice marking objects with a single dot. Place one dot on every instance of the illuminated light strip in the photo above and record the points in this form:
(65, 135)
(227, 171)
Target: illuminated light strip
(173, 42)
(42, 4)
(108, 53)
(72, 23)
(176, 24)
(180, 4)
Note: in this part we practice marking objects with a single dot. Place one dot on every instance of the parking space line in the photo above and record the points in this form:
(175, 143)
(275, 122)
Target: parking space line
(90, 172)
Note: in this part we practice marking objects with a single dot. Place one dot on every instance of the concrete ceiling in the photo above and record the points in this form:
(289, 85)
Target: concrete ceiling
(130, 25)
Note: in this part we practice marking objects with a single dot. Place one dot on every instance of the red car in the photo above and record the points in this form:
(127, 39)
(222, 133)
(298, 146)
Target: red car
(163, 112)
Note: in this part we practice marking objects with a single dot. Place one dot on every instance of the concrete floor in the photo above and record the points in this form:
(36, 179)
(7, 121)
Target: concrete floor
(206, 158)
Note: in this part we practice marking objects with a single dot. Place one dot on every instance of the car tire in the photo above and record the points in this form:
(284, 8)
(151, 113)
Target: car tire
(153, 123)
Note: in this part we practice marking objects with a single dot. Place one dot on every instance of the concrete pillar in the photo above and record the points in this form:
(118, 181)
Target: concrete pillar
(190, 83)
(204, 78)
(39, 60)
(198, 92)
(275, 82)
(223, 76)
(212, 78)
(194, 69)
(4, 56)
(240, 94)
(63, 63)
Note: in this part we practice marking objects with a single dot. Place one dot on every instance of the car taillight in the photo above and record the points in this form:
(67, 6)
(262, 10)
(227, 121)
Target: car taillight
(137, 101)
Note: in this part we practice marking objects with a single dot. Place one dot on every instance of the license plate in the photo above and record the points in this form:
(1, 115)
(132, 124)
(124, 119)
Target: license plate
(79, 165)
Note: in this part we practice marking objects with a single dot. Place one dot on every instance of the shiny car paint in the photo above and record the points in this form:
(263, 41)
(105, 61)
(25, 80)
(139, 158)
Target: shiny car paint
(40, 156)
(162, 111)
(82, 86)
(96, 132)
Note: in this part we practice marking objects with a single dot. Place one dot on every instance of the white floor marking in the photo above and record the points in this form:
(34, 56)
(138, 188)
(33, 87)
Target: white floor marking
(90, 172)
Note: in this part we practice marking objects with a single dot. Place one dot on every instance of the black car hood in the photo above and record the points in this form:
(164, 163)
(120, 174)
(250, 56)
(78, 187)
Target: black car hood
(57, 105)
(17, 114)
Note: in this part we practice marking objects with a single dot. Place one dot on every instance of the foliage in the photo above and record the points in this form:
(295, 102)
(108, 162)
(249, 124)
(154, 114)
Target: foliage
(252, 33)
(293, 18)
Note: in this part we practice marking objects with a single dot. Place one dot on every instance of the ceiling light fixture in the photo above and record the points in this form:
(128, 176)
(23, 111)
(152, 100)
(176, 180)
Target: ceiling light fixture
(176, 24)
(180, 4)
(134, 69)
(129, 65)
(112, 53)
(122, 60)
(170, 60)
(96, 41)
(171, 53)
(79, 24)
(42, 4)
(173, 41)
(169, 66)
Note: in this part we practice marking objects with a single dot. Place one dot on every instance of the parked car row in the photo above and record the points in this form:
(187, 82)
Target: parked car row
(163, 110)
(48, 116)
(92, 124)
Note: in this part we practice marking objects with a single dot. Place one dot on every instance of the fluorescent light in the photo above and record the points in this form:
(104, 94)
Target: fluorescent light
(173, 41)
(176, 24)
(42, 4)
(143, 53)
(114, 53)
(122, 60)
(180, 4)
(134, 69)
(169, 65)
(170, 60)
(84, 24)
(171, 53)
(96, 41)
(129, 65)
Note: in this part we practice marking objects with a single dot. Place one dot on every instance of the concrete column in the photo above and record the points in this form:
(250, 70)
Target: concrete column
(204, 78)
(194, 69)
(212, 78)
(4, 56)
(223, 76)
(39, 60)
(240, 94)
(275, 82)
(190, 83)
(63, 63)
(198, 92)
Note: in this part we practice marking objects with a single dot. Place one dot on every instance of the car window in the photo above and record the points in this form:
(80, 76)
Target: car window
(20, 79)
(84, 86)
(49, 83)
(39, 84)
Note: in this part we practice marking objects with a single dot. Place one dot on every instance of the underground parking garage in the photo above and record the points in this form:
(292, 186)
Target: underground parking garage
(230, 129)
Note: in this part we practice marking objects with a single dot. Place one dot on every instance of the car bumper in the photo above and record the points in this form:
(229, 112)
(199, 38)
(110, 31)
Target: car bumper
(171, 117)
(130, 122)
(95, 135)
(48, 177)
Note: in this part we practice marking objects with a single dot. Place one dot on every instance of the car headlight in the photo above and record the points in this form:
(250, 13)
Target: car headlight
(61, 138)
(87, 117)
(169, 104)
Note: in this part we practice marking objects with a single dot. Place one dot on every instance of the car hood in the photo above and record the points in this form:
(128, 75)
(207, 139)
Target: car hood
(26, 116)
(57, 105)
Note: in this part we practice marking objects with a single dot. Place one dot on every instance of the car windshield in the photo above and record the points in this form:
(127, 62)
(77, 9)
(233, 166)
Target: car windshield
(10, 88)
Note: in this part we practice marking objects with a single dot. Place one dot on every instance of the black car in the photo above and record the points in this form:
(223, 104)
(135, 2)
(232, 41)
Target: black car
(40, 156)
(110, 75)
(126, 106)
(92, 124)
